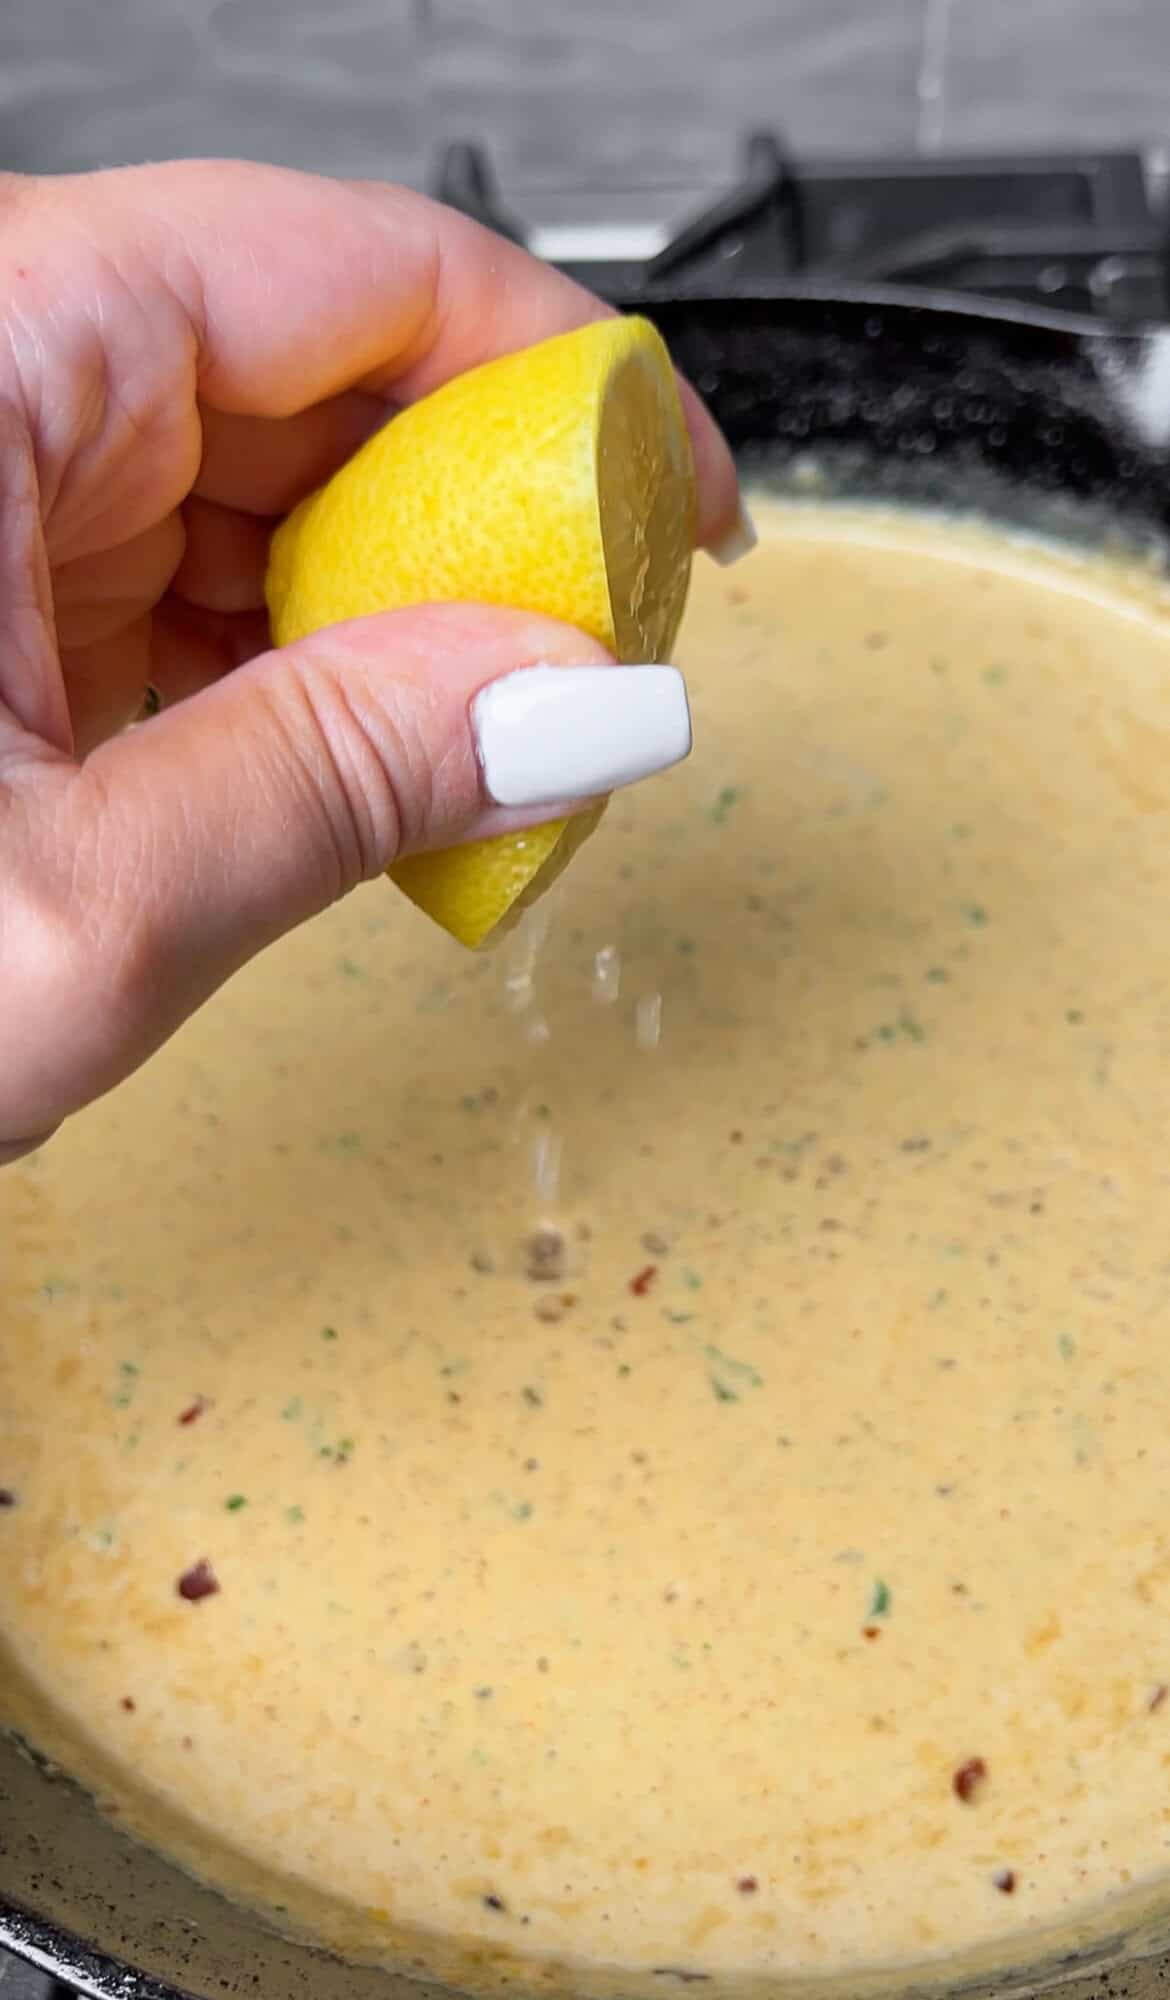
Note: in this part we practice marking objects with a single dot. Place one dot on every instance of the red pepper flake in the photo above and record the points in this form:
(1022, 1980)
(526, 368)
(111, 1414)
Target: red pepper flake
(747, 1885)
(968, 1778)
(871, 1631)
(129, 1703)
(641, 1282)
(194, 1410)
(7, 1497)
(198, 1582)
(1158, 1697)
(1005, 1881)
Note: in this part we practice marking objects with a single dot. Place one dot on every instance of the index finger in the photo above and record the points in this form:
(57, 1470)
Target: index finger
(301, 287)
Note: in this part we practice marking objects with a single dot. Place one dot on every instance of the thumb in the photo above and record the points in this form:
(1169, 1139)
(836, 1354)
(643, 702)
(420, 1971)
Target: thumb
(194, 840)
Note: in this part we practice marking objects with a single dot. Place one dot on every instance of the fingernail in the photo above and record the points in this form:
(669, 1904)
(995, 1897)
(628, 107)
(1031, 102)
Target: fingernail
(740, 540)
(547, 734)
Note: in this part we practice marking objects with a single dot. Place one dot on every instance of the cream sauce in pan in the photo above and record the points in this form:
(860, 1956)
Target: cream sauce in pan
(652, 1450)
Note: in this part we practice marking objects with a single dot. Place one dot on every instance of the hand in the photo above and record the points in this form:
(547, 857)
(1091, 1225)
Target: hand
(190, 349)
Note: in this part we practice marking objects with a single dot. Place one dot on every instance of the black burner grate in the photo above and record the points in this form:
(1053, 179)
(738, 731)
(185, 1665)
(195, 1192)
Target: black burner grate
(1073, 232)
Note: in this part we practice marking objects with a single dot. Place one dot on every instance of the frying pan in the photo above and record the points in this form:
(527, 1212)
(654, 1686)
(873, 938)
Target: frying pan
(1045, 422)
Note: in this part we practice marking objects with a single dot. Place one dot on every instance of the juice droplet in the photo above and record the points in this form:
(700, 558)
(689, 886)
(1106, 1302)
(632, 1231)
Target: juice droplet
(607, 975)
(546, 1166)
(648, 1020)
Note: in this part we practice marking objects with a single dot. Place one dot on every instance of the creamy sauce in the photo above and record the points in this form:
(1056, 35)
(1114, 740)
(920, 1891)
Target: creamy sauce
(677, 1419)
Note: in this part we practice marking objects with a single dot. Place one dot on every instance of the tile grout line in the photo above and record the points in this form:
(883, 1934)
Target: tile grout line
(929, 90)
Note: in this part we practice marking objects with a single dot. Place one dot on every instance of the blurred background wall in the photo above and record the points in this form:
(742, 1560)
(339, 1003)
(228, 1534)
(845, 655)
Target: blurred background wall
(601, 92)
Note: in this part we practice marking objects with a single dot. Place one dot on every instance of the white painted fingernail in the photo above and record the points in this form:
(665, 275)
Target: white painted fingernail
(739, 541)
(552, 733)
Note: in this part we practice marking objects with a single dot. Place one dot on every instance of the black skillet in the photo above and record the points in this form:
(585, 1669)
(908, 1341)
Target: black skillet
(1046, 422)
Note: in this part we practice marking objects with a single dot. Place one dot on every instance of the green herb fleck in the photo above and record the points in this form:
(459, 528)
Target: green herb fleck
(728, 797)
(691, 1279)
(994, 676)
(532, 1397)
(624, 1368)
(743, 1370)
(937, 975)
(722, 1393)
(907, 1025)
(352, 970)
(792, 1148)
(522, 1511)
(294, 1515)
(341, 1142)
(1066, 1345)
(1074, 1016)
(56, 1287)
(975, 914)
(128, 1372)
(686, 946)
(234, 1502)
(881, 1601)
(329, 1333)
(292, 1409)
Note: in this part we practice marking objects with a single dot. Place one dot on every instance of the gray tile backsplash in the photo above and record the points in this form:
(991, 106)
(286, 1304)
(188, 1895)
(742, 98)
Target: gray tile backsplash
(598, 92)
(1056, 73)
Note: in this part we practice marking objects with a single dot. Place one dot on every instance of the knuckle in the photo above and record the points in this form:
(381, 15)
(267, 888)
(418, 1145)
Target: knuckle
(360, 770)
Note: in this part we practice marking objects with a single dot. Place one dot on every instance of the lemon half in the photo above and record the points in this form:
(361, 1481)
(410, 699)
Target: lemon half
(557, 480)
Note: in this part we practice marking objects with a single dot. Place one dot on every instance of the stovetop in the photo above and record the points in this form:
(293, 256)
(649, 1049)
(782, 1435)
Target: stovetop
(1084, 233)
(23, 1982)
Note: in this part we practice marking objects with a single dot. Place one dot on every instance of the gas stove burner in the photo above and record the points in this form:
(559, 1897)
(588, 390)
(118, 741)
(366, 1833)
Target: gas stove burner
(19, 1981)
(1075, 233)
